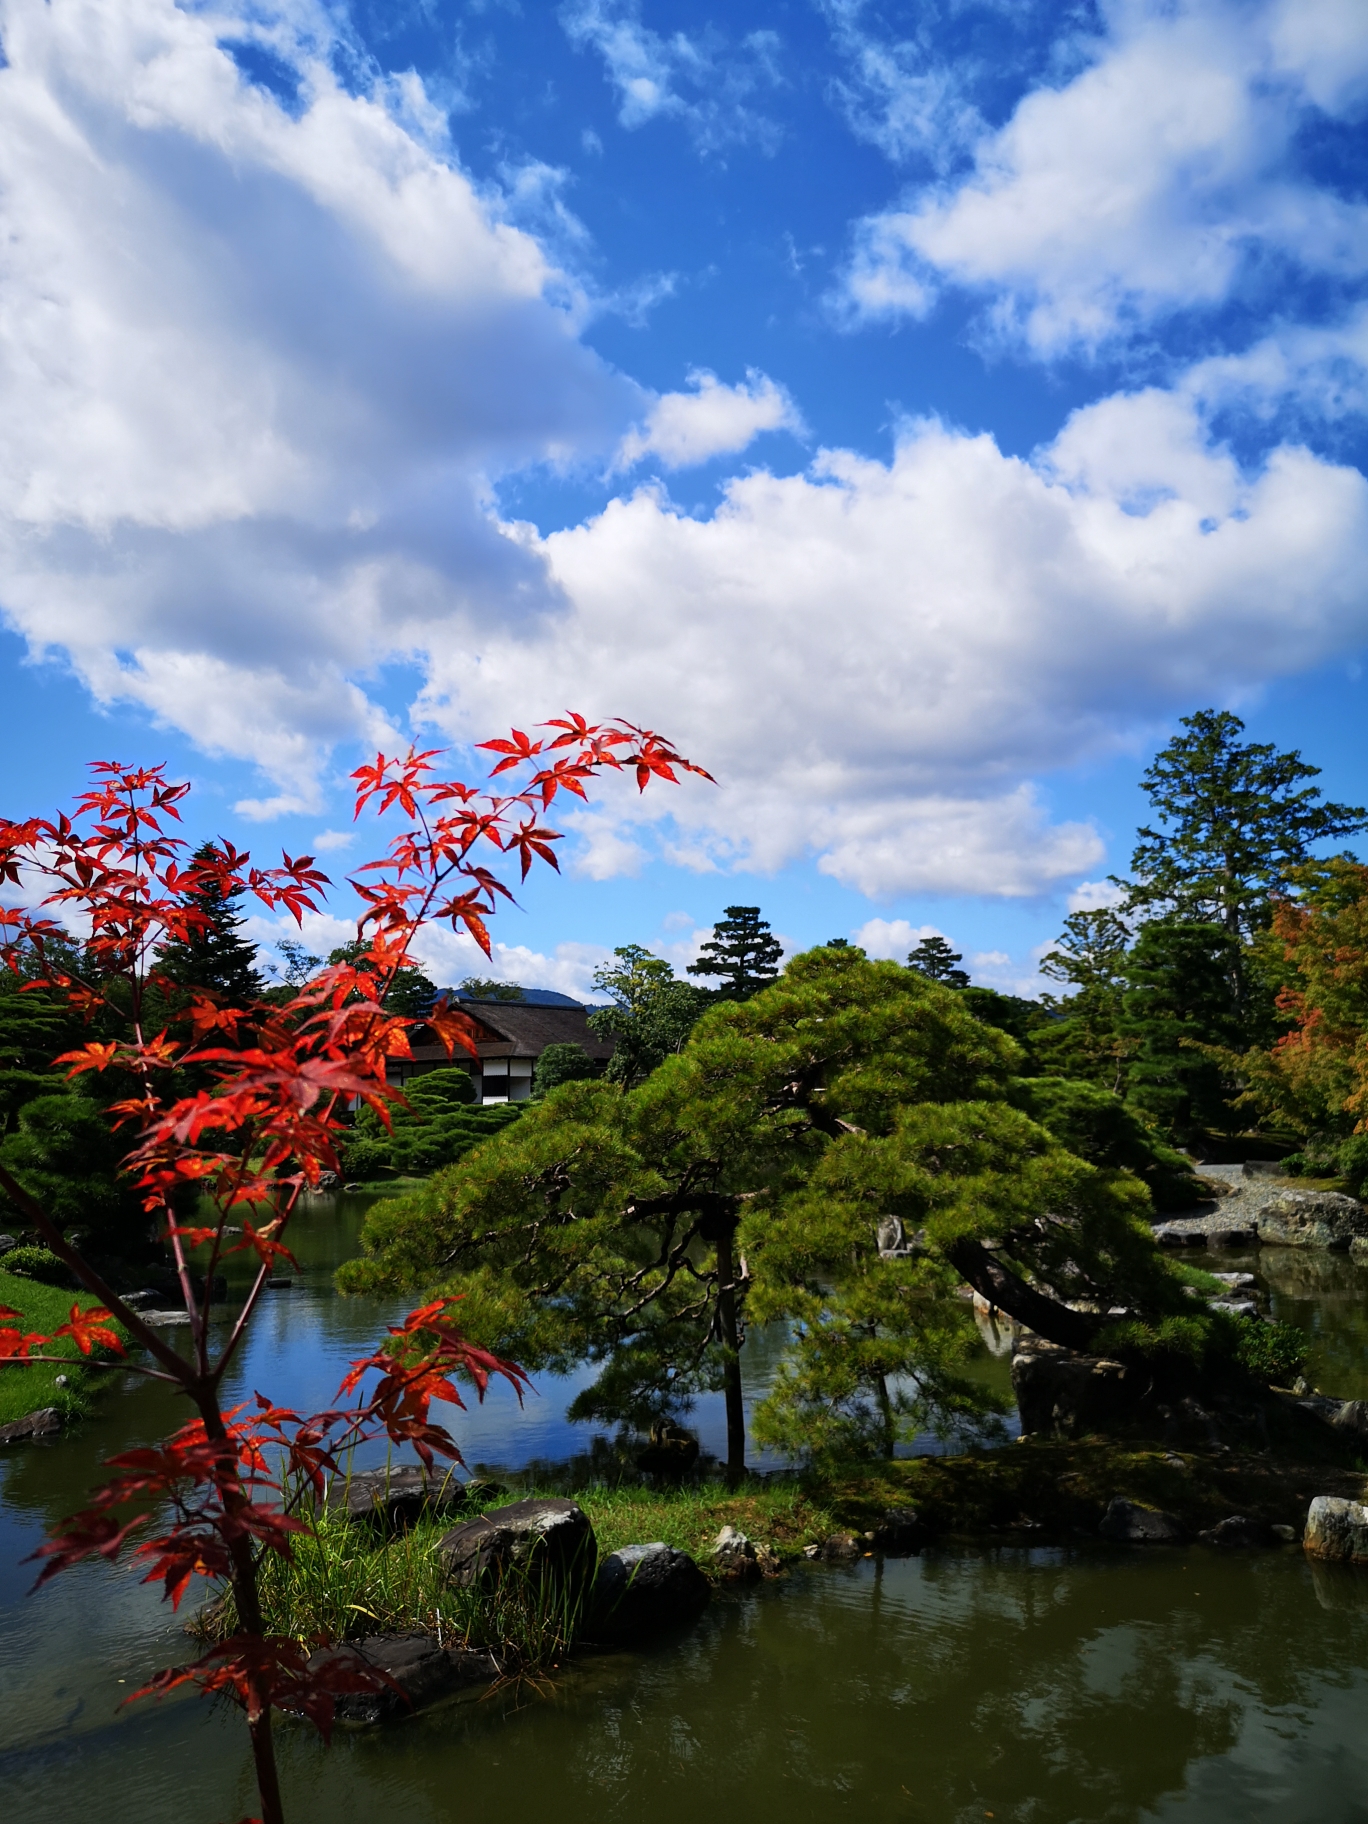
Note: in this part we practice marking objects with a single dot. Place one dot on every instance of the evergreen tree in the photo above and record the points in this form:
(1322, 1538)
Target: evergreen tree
(215, 958)
(743, 951)
(1178, 1000)
(1085, 1039)
(561, 1064)
(651, 1016)
(410, 994)
(934, 959)
(753, 1178)
(1235, 818)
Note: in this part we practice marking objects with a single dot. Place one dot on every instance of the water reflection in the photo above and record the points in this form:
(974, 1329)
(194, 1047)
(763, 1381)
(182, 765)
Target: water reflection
(1036, 1686)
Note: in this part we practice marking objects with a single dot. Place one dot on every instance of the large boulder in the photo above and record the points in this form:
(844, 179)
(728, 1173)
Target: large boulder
(1336, 1530)
(1312, 1219)
(1061, 1393)
(391, 1500)
(45, 1423)
(644, 1590)
(415, 1671)
(547, 1539)
(1239, 1532)
(1130, 1523)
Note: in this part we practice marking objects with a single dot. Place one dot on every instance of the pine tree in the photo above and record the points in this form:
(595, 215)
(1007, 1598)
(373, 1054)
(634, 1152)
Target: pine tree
(1178, 999)
(743, 951)
(216, 958)
(1235, 819)
(934, 959)
(1085, 1038)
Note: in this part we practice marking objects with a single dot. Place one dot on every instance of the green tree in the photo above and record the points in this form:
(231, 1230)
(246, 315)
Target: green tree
(561, 1064)
(1234, 819)
(485, 988)
(1179, 1002)
(755, 1177)
(410, 994)
(216, 958)
(35, 1026)
(64, 1153)
(934, 959)
(1084, 1038)
(651, 1015)
(743, 951)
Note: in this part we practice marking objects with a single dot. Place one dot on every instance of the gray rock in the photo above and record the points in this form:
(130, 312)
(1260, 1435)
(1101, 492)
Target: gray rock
(1311, 1219)
(1236, 1307)
(1128, 1523)
(1336, 1530)
(1240, 1532)
(644, 1590)
(734, 1554)
(900, 1533)
(1064, 1394)
(841, 1548)
(547, 1539)
(422, 1670)
(6, 1243)
(391, 1500)
(44, 1423)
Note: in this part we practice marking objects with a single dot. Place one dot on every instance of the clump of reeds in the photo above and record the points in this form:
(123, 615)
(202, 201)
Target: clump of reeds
(344, 1581)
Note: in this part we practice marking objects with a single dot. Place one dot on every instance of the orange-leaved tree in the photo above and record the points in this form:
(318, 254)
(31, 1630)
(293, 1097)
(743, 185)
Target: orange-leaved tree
(237, 1109)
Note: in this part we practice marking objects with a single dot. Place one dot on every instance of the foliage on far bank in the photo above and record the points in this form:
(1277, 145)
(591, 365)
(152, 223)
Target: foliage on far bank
(29, 1388)
(440, 1124)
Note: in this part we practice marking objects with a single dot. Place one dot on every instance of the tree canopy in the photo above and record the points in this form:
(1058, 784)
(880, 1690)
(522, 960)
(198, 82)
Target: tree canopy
(742, 951)
(1235, 819)
(213, 957)
(759, 1175)
(934, 959)
(650, 1014)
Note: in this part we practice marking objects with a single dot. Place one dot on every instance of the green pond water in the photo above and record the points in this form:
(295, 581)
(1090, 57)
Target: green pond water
(1038, 1685)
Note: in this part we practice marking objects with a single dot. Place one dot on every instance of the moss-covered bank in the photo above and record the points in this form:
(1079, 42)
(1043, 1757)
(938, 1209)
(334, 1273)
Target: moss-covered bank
(25, 1389)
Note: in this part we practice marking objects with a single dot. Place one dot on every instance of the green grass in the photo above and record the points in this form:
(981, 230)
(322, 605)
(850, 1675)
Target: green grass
(25, 1389)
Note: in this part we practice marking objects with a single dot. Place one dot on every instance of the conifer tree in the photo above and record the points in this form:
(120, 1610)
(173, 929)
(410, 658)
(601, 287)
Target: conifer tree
(743, 951)
(215, 957)
(1178, 1000)
(934, 959)
(1234, 820)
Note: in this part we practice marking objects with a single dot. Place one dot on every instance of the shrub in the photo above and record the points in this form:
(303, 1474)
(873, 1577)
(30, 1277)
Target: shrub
(39, 1264)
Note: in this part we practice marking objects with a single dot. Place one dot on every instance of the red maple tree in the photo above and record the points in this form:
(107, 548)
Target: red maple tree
(273, 1079)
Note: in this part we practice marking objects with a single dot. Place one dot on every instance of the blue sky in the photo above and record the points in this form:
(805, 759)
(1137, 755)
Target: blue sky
(912, 410)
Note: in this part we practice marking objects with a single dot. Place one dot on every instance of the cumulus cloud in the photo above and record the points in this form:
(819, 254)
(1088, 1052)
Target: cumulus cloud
(892, 940)
(712, 420)
(709, 85)
(1157, 180)
(262, 365)
(872, 656)
(259, 363)
(1095, 896)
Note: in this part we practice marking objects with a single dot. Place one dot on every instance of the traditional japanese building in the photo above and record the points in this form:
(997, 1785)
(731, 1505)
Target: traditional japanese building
(512, 1036)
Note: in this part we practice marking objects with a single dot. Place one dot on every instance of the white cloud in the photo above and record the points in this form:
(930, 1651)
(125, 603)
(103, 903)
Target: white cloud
(1157, 180)
(892, 940)
(328, 841)
(709, 85)
(712, 420)
(260, 369)
(872, 657)
(258, 366)
(896, 94)
(1094, 896)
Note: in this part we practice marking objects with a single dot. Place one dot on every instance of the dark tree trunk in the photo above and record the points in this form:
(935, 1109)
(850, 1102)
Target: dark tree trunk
(726, 1314)
(1045, 1315)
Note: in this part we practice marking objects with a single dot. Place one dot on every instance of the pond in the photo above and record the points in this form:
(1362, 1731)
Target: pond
(1037, 1686)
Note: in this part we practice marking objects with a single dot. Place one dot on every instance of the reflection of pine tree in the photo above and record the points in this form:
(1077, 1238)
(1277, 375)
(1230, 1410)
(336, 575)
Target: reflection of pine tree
(216, 957)
(743, 951)
(934, 959)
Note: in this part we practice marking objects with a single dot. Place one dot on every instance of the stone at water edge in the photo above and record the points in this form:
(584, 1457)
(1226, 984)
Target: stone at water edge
(841, 1548)
(1238, 1532)
(1337, 1530)
(1129, 1523)
(44, 1423)
(900, 1533)
(1062, 1393)
(735, 1554)
(643, 1590)
(549, 1538)
(1312, 1219)
(392, 1500)
(421, 1669)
